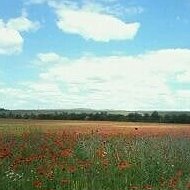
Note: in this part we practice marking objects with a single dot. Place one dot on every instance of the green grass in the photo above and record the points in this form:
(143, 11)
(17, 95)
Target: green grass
(92, 162)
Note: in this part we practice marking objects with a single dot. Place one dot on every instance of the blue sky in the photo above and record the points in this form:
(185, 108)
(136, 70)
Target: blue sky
(101, 54)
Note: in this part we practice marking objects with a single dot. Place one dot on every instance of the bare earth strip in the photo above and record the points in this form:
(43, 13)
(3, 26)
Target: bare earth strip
(101, 127)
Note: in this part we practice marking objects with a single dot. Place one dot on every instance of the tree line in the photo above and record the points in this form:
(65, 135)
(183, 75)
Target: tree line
(102, 116)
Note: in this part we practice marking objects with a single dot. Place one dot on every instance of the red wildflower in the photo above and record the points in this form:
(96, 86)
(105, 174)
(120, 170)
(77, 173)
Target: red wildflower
(133, 188)
(4, 153)
(66, 153)
(123, 165)
(71, 169)
(65, 181)
(37, 184)
(173, 182)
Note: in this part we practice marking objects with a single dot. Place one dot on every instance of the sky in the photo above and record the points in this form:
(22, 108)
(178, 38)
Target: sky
(97, 54)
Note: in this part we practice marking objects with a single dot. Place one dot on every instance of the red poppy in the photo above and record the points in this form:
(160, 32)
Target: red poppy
(37, 184)
(66, 153)
(123, 165)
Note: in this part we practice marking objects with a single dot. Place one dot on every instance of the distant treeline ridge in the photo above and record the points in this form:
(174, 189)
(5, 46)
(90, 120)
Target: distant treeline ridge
(101, 116)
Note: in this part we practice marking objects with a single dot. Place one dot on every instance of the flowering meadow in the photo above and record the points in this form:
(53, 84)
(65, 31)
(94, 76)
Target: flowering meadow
(66, 160)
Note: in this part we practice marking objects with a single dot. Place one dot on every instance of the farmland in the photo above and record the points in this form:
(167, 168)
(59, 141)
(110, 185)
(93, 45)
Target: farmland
(87, 155)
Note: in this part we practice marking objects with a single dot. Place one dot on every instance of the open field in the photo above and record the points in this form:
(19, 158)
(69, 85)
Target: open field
(73, 155)
(103, 127)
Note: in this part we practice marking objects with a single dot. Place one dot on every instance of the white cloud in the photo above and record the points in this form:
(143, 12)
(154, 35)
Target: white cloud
(184, 77)
(11, 40)
(112, 82)
(22, 24)
(94, 25)
(118, 82)
(49, 58)
(93, 20)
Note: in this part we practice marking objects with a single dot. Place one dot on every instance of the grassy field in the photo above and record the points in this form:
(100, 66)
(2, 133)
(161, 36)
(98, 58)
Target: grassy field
(56, 155)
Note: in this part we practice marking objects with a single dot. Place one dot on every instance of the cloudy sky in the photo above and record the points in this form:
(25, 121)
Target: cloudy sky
(100, 54)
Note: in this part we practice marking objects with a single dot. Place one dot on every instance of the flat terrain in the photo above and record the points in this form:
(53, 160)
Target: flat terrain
(87, 155)
(101, 127)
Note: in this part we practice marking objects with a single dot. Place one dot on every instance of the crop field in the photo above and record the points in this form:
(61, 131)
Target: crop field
(74, 155)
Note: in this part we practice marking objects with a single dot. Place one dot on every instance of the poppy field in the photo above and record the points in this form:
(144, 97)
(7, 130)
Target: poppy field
(100, 156)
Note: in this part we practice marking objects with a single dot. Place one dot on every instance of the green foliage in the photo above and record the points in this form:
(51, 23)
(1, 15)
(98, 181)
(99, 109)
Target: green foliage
(101, 116)
(112, 163)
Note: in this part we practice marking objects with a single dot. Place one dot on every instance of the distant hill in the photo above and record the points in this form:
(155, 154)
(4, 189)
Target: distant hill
(91, 111)
(2, 109)
(99, 115)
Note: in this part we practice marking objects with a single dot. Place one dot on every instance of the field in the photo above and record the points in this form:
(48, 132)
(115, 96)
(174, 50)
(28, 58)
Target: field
(73, 155)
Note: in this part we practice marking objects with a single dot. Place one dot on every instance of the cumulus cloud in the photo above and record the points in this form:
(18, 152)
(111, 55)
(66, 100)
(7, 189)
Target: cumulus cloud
(49, 58)
(22, 24)
(93, 20)
(11, 40)
(108, 82)
(114, 82)
(162, 62)
(95, 26)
